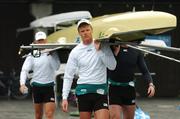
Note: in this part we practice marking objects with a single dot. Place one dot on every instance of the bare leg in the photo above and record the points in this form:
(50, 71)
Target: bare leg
(115, 112)
(85, 115)
(38, 110)
(49, 110)
(101, 114)
(128, 111)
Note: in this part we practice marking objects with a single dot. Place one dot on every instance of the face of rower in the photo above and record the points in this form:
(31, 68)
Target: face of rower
(40, 41)
(85, 31)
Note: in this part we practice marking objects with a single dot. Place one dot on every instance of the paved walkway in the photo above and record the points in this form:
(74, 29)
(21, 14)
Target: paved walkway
(158, 108)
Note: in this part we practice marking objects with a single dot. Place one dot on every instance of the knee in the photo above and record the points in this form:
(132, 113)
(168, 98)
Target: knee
(114, 116)
(49, 114)
(38, 116)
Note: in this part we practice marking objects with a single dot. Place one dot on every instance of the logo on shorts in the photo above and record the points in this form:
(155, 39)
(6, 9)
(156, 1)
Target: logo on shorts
(105, 104)
(84, 90)
(100, 91)
(52, 99)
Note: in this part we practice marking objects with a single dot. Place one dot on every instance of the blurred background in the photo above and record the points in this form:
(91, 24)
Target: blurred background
(17, 14)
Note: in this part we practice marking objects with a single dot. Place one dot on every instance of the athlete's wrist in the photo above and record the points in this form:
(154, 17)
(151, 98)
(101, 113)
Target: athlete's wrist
(152, 85)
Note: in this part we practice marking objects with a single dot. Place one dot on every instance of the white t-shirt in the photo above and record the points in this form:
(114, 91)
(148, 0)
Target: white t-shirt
(91, 65)
(43, 67)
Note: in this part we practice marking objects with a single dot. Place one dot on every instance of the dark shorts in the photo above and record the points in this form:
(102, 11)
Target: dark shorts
(122, 95)
(43, 94)
(92, 102)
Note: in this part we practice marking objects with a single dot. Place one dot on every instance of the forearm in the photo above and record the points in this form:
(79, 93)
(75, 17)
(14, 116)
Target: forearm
(66, 88)
(23, 78)
(68, 79)
(144, 69)
(151, 84)
(27, 66)
(147, 76)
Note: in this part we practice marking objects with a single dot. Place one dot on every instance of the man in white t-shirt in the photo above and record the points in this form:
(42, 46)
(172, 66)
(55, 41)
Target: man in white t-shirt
(42, 81)
(92, 60)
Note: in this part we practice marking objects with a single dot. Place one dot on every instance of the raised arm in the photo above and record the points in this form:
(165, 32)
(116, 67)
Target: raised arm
(54, 60)
(107, 56)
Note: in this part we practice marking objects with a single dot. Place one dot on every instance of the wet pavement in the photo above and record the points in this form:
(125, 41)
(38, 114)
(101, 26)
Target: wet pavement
(157, 108)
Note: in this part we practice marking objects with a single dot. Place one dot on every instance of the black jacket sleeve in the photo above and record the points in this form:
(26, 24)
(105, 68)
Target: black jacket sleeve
(143, 68)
